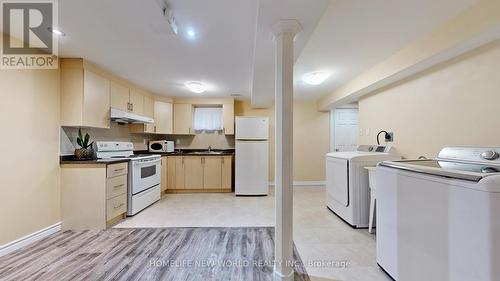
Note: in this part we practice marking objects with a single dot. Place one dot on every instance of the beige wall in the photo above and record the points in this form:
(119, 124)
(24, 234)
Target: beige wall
(29, 180)
(456, 103)
(311, 138)
(467, 29)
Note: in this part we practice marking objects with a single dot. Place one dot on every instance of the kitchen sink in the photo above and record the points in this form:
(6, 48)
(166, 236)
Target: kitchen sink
(205, 152)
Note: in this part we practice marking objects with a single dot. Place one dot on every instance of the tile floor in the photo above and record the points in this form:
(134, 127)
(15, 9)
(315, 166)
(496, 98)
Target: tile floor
(329, 248)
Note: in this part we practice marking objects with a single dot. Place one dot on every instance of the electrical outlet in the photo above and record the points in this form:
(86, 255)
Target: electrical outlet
(177, 141)
(145, 141)
(389, 137)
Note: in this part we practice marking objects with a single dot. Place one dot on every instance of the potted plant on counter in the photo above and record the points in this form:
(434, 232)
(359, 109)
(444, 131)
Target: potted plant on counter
(85, 152)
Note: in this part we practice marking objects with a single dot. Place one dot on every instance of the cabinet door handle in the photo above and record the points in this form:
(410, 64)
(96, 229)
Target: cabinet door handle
(132, 106)
(118, 186)
(117, 207)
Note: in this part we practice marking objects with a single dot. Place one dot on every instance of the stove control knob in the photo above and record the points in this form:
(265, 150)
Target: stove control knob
(490, 155)
(488, 170)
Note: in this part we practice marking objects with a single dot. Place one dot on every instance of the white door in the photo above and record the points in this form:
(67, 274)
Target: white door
(346, 129)
(252, 128)
(252, 168)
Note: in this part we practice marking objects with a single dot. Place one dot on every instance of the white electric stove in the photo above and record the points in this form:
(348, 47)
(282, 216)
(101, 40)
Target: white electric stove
(144, 175)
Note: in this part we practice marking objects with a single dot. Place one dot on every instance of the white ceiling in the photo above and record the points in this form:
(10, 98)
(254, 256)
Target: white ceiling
(131, 39)
(354, 35)
(270, 12)
(233, 52)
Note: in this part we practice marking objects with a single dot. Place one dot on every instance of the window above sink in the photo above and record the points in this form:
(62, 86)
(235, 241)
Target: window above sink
(208, 118)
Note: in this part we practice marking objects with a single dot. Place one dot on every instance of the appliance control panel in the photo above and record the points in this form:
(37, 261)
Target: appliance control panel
(376, 148)
(114, 146)
(473, 154)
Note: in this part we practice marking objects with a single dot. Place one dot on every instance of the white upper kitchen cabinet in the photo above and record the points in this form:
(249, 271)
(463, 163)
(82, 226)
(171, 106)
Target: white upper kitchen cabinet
(228, 115)
(163, 115)
(126, 99)
(183, 119)
(85, 95)
(136, 102)
(120, 96)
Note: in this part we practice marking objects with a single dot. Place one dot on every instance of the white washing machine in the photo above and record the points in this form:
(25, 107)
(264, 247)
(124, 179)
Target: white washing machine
(440, 219)
(347, 190)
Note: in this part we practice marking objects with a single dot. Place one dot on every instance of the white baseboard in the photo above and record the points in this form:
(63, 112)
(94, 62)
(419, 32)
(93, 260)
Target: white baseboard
(304, 183)
(28, 239)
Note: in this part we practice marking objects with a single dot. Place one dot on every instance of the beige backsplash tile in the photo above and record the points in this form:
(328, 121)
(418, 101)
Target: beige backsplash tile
(119, 132)
(203, 140)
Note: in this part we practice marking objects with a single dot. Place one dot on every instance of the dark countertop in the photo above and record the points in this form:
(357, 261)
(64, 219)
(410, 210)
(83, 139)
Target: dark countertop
(192, 152)
(70, 159)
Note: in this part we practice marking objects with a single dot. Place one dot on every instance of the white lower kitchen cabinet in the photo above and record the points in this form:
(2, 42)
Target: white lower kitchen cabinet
(192, 174)
(93, 196)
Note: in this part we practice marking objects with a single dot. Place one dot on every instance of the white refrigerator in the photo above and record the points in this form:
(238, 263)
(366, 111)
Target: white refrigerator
(252, 156)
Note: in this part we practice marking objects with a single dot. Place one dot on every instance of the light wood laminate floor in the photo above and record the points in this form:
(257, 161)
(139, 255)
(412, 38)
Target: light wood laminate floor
(329, 248)
(198, 254)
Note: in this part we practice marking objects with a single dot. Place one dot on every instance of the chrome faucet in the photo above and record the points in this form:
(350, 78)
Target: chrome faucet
(209, 148)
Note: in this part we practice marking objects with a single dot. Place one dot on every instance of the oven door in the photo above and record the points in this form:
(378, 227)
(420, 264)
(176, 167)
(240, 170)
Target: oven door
(144, 174)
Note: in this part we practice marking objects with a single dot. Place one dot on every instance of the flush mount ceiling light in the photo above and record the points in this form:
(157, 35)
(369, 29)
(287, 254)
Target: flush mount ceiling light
(191, 34)
(196, 87)
(57, 32)
(315, 78)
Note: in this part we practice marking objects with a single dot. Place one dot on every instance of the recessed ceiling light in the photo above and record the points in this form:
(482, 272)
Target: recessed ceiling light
(315, 78)
(196, 87)
(57, 32)
(191, 34)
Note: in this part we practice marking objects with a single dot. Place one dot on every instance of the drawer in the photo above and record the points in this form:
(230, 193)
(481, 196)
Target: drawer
(116, 206)
(117, 169)
(116, 186)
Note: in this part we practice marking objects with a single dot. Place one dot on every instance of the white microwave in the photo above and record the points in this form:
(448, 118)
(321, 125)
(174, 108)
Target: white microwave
(161, 146)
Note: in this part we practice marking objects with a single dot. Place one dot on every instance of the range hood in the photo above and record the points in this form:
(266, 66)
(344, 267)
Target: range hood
(127, 117)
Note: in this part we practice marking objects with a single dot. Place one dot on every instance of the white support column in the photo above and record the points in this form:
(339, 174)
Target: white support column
(284, 34)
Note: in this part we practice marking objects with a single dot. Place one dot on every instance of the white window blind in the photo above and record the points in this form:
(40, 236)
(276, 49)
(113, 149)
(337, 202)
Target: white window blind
(208, 119)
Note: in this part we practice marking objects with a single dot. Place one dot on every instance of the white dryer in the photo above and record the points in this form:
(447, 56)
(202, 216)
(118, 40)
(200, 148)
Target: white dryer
(347, 190)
